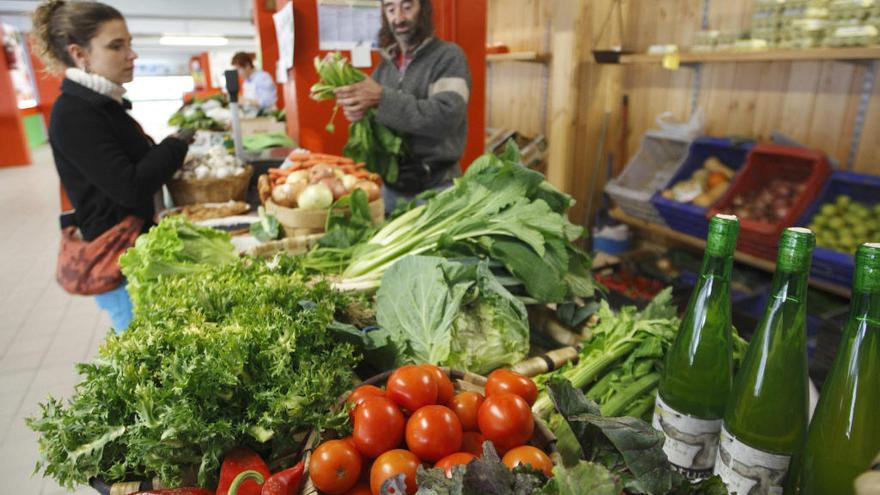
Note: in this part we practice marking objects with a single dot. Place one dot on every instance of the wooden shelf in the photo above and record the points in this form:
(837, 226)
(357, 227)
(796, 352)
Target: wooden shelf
(536, 57)
(694, 242)
(859, 53)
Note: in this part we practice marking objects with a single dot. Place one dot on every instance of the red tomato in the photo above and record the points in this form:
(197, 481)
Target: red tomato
(445, 389)
(378, 426)
(502, 380)
(391, 464)
(358, 395)
(506, 420)
(362, 488)
(433, 433)
(456, 459)
(465, 405)
(529, 456)
(335, 467)
(472, 443)
(411, 387)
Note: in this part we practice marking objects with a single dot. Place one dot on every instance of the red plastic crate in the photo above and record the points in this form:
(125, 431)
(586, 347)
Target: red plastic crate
(765, 163)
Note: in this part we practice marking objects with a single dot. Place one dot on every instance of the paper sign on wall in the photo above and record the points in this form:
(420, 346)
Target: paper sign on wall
(284, 35)
(360, 56)
(345, 24)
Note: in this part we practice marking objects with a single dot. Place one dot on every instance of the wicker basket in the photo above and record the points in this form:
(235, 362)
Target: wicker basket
(463, 381)
(300, 222)
(193, 191)
(292, 245)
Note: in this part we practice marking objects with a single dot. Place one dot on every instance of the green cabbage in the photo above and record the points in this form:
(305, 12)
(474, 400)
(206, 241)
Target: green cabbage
(451, 313)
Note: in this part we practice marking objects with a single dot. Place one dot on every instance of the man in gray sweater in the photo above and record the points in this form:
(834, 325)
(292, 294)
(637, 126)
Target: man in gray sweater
(421, 91)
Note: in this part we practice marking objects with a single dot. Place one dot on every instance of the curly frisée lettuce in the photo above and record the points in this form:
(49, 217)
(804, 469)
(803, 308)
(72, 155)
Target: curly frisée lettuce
(451, 313)
(240, 355)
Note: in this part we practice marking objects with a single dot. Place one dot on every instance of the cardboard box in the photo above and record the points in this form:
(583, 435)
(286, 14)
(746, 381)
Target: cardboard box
(260, 125)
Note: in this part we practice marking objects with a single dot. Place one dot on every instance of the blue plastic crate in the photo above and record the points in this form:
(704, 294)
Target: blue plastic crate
(685, 217)
(829, 265)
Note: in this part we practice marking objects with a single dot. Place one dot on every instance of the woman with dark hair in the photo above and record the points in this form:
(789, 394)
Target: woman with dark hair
(108, 167)
(420, 90)
(258, 89)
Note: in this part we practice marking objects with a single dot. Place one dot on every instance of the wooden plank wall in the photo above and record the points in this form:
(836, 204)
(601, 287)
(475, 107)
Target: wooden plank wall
(516, 92)
(812, 102)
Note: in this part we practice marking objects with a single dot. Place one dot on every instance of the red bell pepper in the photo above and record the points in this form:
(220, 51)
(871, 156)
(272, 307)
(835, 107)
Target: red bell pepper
(285, 482)
(177, 491)
(281, 483)
(237, 461)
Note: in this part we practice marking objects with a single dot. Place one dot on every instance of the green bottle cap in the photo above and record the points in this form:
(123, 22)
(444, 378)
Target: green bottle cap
(796, 249)
(867, 276)
(723, 230)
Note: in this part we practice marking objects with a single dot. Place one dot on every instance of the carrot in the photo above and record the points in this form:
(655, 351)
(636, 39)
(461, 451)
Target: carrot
(277, 172)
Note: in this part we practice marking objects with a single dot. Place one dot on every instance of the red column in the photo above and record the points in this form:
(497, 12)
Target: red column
(13, 146)
(267, 41)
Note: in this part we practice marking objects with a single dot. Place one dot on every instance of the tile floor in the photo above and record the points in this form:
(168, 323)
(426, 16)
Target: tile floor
(43, 330)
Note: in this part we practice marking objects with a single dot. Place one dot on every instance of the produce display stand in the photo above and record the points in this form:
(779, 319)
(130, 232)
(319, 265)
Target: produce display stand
(700, 244)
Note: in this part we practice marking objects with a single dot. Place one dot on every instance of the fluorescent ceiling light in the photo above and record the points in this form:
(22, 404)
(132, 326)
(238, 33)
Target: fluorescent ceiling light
(193, 41)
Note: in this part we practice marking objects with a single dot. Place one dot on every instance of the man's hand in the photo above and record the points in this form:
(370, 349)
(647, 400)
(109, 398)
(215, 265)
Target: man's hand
(357, 98)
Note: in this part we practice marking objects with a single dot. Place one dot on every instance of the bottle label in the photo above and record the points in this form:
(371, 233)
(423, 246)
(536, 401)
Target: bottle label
(745, 469)
(691, 443)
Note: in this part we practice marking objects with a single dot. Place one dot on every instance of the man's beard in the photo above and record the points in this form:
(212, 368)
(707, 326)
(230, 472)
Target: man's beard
(406, 38)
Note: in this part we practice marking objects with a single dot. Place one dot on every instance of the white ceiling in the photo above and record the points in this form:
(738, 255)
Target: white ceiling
(150, 19)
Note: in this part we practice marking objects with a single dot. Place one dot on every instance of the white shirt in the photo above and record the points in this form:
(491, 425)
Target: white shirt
(260, 87)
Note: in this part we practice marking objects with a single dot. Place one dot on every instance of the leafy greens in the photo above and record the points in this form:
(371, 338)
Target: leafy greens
(241, 355)
(368, 140)
(498, 210)
(451, 313)
(175, 246)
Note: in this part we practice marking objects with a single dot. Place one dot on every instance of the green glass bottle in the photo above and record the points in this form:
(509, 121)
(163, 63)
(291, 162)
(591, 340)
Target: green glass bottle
(698, 374)
(845, 432)
(766, 418)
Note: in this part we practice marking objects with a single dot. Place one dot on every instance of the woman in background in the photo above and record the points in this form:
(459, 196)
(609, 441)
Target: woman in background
(109, 168)
(258, 89)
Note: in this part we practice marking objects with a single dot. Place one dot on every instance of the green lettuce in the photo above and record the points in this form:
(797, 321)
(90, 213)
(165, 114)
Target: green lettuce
(175, 246)
(451, 313)
(241, 355)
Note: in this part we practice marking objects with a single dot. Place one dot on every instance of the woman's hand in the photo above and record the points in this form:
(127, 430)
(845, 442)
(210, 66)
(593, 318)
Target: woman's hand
(356, 99)
(185, 135)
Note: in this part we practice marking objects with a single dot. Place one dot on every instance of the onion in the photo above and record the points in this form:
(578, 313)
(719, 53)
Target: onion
(297, 176)
(335, 186)
(296, 188)
(283, 196)
(369, 187)
(349, 181)
(320, 171)
(316, 197)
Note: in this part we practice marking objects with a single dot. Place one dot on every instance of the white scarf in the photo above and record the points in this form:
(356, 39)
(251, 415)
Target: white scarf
(96, 83)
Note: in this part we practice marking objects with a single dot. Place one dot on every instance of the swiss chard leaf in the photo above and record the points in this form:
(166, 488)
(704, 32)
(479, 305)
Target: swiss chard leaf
(636, 442)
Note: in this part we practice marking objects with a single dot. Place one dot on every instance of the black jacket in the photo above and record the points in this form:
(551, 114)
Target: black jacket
(109, 168)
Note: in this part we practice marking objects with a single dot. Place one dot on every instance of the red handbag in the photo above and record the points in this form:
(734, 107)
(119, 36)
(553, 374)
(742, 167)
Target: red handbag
(87, 268)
